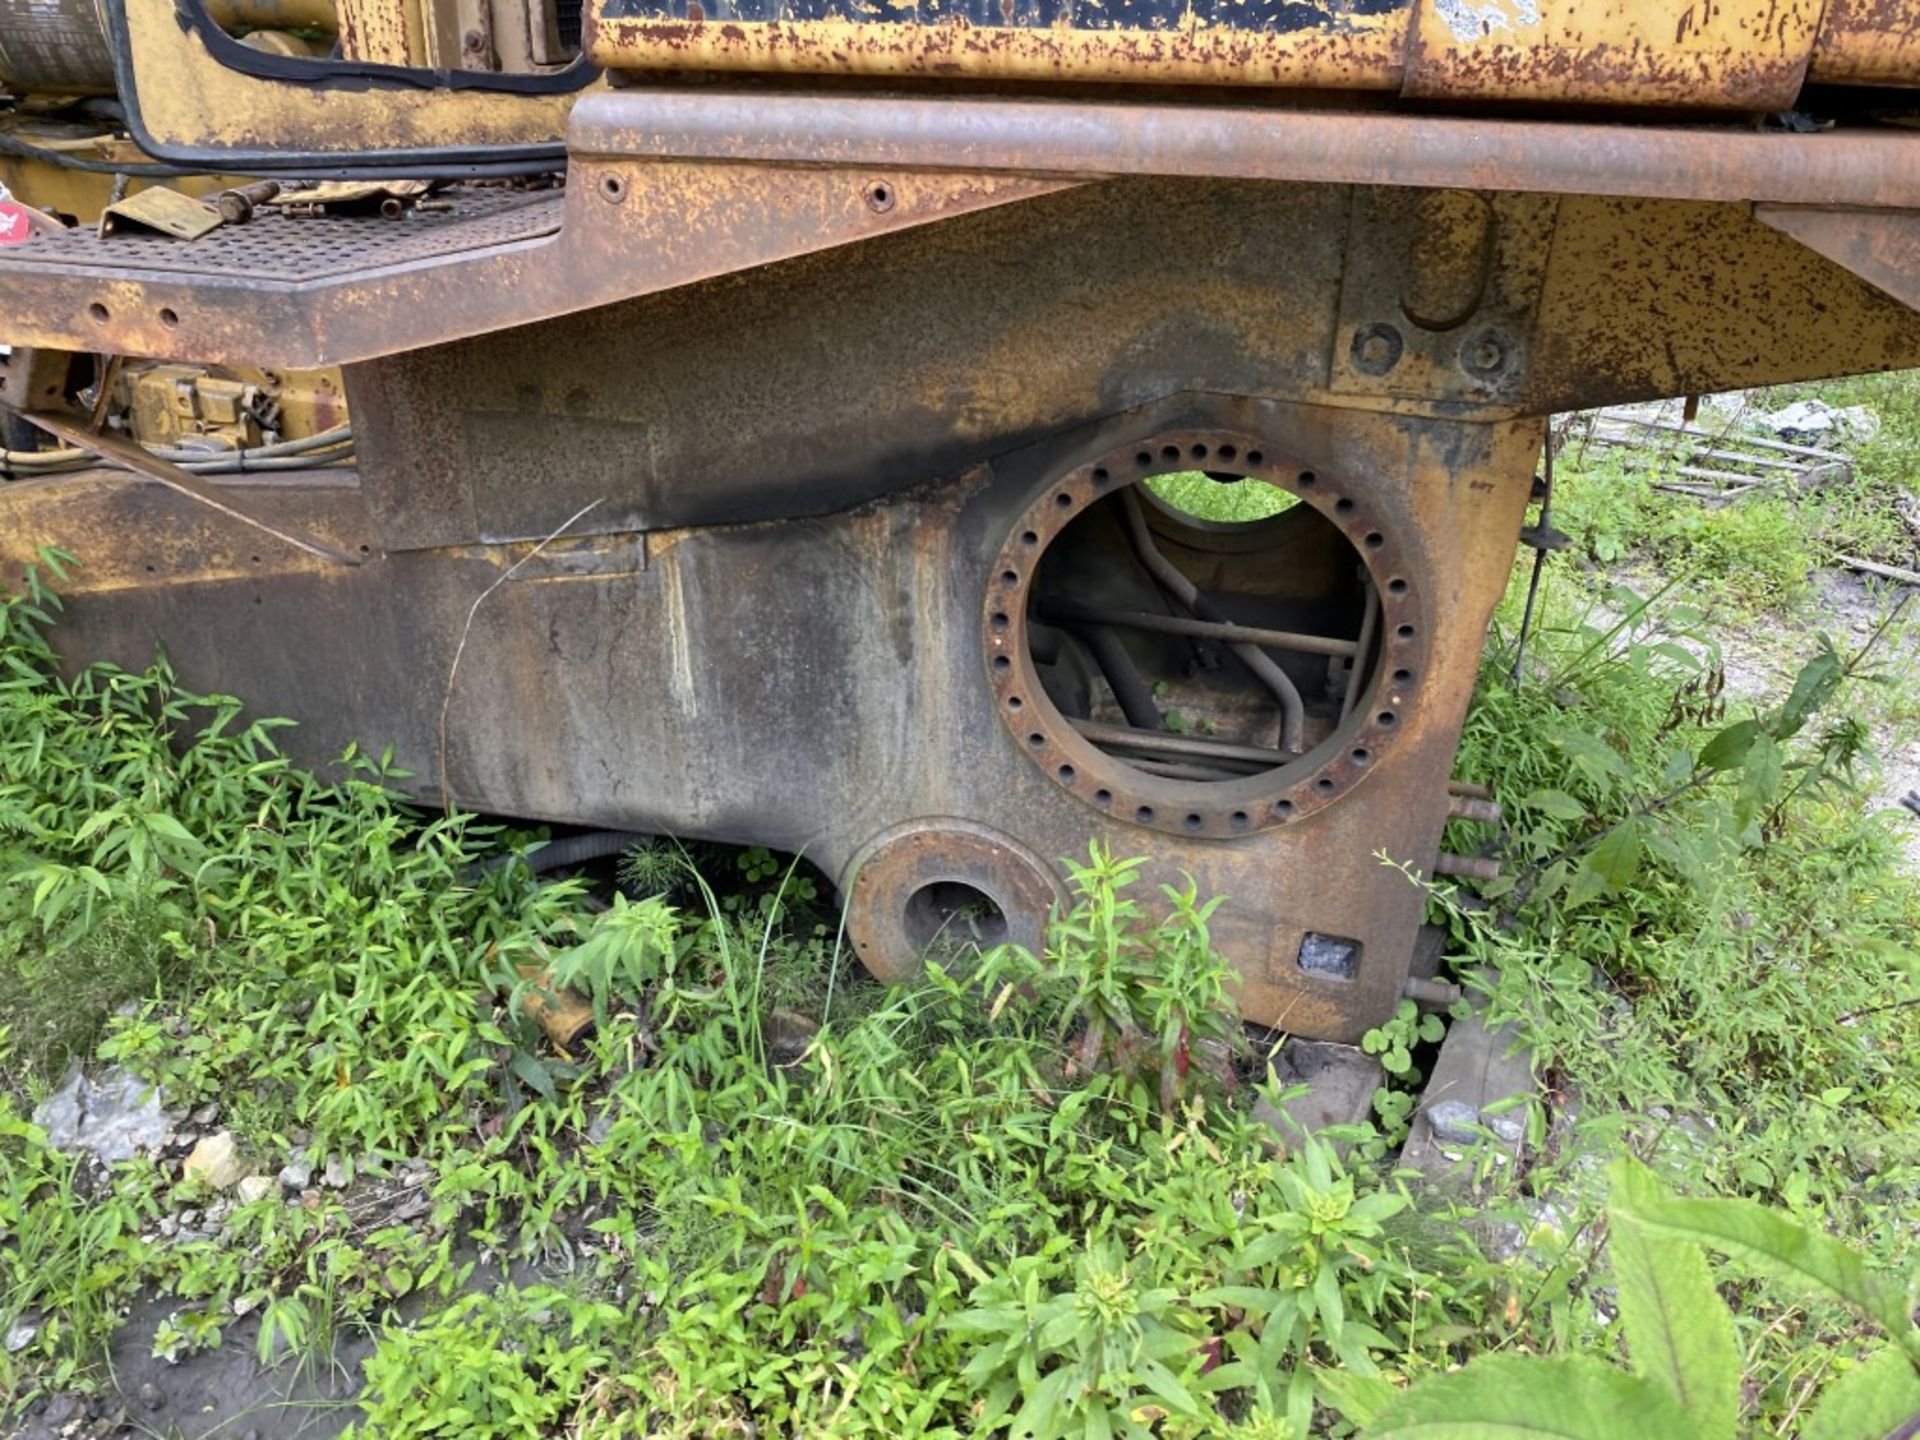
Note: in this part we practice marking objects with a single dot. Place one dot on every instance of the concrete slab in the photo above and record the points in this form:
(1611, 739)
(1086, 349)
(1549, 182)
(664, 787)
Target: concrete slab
(1341, 1080)
(1479, 1066)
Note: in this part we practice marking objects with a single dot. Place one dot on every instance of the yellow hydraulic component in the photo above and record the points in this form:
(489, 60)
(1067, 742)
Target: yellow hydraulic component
(169, 404)
(234, 407)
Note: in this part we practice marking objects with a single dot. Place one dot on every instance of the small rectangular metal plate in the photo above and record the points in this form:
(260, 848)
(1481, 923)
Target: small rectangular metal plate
(159, 211)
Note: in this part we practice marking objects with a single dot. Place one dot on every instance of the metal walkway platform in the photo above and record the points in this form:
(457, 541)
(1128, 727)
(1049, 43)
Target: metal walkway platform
(279, 290)
(300, 292)
(276, 248)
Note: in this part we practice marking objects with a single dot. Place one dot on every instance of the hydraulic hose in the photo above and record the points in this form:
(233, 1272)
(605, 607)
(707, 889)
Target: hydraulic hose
(67, 160)
(569, 850)
(1292, 711)
(329, 447)
(1133, 694)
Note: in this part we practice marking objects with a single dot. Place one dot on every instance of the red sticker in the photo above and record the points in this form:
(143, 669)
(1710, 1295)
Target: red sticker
(16, 224)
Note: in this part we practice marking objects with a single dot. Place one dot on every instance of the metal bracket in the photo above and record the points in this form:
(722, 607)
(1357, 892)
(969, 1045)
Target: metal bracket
(1544, 537)
(1882, 247)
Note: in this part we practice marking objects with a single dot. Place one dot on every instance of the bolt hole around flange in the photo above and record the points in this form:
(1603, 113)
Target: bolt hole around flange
(950, 915)
(613, 189)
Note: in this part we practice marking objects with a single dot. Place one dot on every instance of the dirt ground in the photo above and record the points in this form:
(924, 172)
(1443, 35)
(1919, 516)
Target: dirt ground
(219, 1394)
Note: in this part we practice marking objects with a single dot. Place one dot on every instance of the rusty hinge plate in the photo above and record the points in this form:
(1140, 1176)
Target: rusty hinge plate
(159, 209)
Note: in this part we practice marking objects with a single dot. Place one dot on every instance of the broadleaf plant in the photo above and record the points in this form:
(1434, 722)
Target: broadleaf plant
(1686, 1370)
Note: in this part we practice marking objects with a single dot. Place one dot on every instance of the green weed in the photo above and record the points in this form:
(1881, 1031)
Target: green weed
(1872, 515)
(1744, 558)
(1708, 939)
(1230, 501)
(1685, 1381)
(522, 1362)
(1756, 555)
(67, 1257)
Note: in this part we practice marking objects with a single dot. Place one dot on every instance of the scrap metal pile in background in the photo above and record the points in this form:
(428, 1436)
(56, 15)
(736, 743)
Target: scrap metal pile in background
(1734, 447)
(1729, 454)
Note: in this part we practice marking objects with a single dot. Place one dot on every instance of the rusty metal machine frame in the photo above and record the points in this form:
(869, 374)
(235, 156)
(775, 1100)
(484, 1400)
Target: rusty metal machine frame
(784, 478)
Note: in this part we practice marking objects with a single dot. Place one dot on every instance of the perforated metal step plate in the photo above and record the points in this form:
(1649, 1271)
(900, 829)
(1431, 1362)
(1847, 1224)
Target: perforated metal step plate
(277, 247)
(292, 290)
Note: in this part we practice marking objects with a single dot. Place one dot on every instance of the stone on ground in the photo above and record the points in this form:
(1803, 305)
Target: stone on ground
(1340, 1081)
(255, 1187)
(215, 1161)
(113, 1118)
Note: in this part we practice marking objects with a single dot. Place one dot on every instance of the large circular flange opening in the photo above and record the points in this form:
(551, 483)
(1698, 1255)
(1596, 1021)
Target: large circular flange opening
(943, 890)
(1203, 677)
